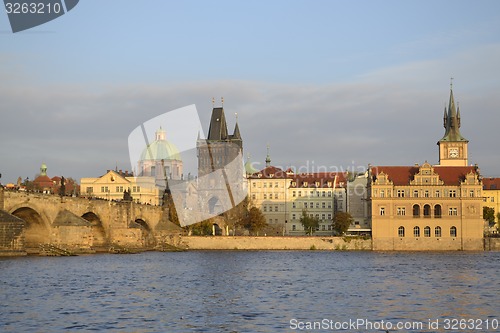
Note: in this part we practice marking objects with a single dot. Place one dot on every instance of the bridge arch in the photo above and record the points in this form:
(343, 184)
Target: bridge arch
(37, 229)
(100, 238)
(147, 232)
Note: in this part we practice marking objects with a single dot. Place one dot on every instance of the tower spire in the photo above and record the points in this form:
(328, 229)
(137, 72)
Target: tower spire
(268, 157)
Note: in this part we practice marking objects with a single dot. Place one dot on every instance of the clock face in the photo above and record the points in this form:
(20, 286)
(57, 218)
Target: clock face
(453, 152)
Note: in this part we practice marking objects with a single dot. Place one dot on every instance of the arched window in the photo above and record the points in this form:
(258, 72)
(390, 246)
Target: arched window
(416, 211)
(437, 211)
(427, 231)
(427, 211)
(437, 231)
(453, 232)
(401, 231)
(416, 232)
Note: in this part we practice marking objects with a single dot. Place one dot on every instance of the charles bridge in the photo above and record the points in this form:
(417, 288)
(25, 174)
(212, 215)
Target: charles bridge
(81, 224)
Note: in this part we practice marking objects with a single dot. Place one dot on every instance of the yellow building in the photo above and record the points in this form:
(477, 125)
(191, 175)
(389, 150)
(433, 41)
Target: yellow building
(113, 184)
(429, 207)
(491, 195)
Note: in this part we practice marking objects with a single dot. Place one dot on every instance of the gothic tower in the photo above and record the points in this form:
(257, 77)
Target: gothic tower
(453, 146)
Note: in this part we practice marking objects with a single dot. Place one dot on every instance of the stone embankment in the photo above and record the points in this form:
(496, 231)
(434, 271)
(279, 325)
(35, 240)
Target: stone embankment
(274, 243)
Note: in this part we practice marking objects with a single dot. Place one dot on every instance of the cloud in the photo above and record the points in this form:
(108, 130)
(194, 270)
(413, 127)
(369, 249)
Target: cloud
(389, 116)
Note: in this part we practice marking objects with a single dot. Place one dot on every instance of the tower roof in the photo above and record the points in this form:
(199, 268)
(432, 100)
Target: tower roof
(160, 149)
(452, 123)
(218, 126)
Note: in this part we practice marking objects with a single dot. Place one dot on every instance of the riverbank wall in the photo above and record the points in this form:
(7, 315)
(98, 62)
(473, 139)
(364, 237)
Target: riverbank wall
(274, 243)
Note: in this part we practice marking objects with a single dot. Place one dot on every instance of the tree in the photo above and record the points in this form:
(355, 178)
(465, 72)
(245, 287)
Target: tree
(254, 221)
(203, 228)
(341, 222)
(62, 188)
(309, 223)
(489, 215)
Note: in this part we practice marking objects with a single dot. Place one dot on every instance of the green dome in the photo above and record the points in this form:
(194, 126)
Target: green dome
(160, 149)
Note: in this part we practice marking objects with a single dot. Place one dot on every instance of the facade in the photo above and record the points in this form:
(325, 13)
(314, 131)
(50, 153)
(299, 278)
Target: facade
(283, 195)
(425, 207)
(357, 204)
(220, 166)
(113, 184)
(491, 195)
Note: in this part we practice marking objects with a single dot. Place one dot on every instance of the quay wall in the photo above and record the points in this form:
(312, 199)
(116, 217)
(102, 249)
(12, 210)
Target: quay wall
(273, 243)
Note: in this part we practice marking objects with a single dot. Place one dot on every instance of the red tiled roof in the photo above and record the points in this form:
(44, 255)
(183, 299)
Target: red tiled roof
(270, 172)
(402, 175)
(491, 183)
(322, 177)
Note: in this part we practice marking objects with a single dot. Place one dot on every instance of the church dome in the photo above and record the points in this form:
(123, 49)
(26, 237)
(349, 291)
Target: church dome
(160, 149)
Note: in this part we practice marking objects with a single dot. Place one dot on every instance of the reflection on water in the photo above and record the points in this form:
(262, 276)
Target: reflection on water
(242, 291)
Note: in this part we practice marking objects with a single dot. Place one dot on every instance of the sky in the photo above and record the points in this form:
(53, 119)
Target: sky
(333, 85)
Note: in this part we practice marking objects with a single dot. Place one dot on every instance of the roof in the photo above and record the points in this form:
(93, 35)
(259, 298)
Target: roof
(67, 218)
(218, 126)
(6, 217)
(311, 179)
(491, 183)
(452, 123)
(402, 175)
(270, 172)
(160, 150)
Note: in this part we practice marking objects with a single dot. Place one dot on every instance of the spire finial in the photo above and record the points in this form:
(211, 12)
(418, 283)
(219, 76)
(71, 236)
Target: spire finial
(451, 83)
(236, 116)
(268, 157)
(213, 102)
(222, 100)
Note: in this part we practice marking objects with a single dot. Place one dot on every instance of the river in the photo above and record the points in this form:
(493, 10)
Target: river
(253, 291)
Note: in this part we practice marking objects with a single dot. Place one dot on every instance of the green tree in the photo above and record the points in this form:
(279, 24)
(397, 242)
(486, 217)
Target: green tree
(309, 223)
(489, 215)
(254, 221)
(341, 222)
(203, 228)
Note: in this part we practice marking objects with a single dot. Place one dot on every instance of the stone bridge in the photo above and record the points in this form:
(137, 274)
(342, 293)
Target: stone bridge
(85, 224)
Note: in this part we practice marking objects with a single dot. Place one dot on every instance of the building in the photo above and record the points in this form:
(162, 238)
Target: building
(282, 195)
(425, 207)
(43, 183)
(357, 204)
(113, 184)
(220, 166)
(491, 196)
(161, 160)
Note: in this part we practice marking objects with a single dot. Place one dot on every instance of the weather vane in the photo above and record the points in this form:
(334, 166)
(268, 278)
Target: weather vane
(451, 82)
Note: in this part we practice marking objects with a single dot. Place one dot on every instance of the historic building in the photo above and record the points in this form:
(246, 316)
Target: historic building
(113, 184)
(357, 204)
(282, 195)
(161, 160)
(425, 207)
(220, 166)
(491, 195)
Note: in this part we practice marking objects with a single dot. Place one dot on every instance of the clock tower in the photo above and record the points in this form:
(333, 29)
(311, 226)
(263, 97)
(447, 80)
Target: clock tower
(453, 146)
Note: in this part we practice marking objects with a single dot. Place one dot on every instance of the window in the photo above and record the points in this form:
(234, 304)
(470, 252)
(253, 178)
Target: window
(294, 227)
(293, 205)
(311, 204)
(492, 199)
(415, 193)
(90, 189)
(382, 211)
(264, 208)
(416, 232)
(265, 196)
(265, 184)
(438, 194)
(453, 232)
(401, 211)
(275, 208)
(329, 216)
(270, 221)
(137, 189)
(416, 211)
(305, 204)
(427, 211)
(329, 193)
(437, 231)
(293, 217)
(329, 205)
(276, 184)
(382, 193)
(471, 193)
(323, 204)
(437, 211)
(294, 194)
(452, 193)
(426, 193)
(323, 193)
(317, 204)
(119, 189)
(104, 189)
(427, 232)
(254, 184)
(401, 193)
(253, 196)
(323, 216)
(276, 196)
(453, 211)
(323, 227)
(401, 231)
(300, 193)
